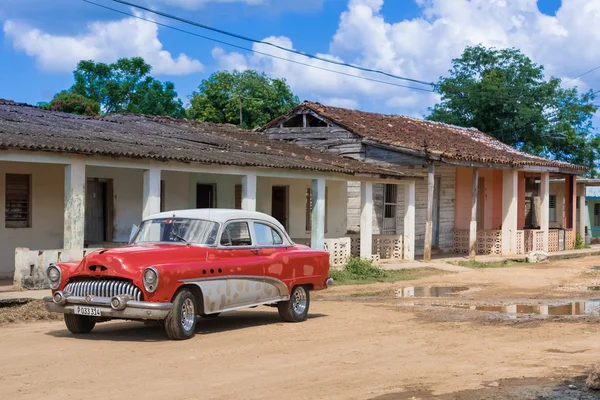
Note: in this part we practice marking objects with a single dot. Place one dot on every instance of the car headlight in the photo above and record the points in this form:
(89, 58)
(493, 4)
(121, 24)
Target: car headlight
(150, 279)
(54, 275)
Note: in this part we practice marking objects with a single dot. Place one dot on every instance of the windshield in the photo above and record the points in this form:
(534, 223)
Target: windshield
(177, 230)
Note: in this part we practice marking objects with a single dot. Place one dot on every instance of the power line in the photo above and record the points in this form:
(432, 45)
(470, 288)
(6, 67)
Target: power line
(256, 51)
(248, 39)
(585, 73)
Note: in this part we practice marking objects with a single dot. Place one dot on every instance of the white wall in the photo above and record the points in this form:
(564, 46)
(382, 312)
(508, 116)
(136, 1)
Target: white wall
(177, 190)
(225, 197)
(47, 195)
(558, 189)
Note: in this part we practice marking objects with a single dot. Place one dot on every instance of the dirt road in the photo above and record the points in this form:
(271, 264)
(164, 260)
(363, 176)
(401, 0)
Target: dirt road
(351, 347)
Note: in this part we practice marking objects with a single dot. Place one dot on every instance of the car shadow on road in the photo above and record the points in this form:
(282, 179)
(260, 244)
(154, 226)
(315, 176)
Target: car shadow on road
(129, 331)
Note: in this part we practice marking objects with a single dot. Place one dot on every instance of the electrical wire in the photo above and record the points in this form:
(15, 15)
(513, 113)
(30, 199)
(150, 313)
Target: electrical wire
(258, 52)
(585, 73)
(248, 39)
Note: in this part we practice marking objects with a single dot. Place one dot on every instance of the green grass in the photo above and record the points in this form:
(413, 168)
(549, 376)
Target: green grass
(367, 294)
(496, 264)
(359, 271)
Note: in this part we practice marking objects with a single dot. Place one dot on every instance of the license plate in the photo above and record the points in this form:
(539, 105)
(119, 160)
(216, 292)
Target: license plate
(89, 311)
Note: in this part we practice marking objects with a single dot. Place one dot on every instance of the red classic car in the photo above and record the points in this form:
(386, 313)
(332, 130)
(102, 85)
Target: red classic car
(182, 264)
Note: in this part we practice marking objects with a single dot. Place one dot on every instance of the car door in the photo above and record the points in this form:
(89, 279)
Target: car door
(273, 251)
(242, 264)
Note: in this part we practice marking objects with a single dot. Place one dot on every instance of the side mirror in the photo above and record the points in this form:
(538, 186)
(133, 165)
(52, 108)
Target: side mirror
(134, 229)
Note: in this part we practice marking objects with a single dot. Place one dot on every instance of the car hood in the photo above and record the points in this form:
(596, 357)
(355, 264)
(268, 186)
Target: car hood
(129, 261)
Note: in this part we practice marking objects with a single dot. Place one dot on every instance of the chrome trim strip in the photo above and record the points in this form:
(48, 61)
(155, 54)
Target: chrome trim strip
(130, 313)
(105, 302)
(283, 289)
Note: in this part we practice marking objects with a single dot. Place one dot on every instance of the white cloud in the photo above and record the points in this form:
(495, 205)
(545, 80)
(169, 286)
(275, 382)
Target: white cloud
(423, 47)
(102, 42)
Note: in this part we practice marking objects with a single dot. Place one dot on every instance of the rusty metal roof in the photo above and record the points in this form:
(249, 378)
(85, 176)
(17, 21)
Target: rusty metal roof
(31, 128)
(437, 140)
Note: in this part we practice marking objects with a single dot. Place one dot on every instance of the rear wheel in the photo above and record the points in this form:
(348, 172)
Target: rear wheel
(181, 320)
(79, 324)
(296, 308)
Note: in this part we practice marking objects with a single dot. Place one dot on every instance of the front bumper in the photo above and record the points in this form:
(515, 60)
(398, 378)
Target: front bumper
(127, 309)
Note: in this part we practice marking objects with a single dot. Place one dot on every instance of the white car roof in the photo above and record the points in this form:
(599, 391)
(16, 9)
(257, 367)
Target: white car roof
(220, 215)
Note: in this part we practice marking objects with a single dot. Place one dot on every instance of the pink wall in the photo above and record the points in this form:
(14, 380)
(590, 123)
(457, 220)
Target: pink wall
(497, 215)
(521, 202)
(492, 198)
(463, 194)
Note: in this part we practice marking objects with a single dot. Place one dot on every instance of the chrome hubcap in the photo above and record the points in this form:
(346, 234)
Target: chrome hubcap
(299, 300)
(188, 315)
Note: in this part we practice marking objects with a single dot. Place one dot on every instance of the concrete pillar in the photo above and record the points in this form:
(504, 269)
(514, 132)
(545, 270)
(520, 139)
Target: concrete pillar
(473, 225)
(545, 208)
(409, 221)
(249, 192)
(582, 211)
(510, 190)
(366, 220)
(317, 235)
(151, 199)
(74, 219)
(429, 222)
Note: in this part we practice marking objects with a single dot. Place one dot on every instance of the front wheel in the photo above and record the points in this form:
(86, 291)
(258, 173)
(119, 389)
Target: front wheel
(296, 308)
(181, 320)
(79, 324)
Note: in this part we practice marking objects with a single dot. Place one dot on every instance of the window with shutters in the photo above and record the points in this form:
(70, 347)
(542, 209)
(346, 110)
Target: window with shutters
(597, 214)
(309, 208)
(552, 208)
(18, 201)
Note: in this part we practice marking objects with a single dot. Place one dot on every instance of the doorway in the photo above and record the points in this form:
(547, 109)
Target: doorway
(279, 204)
(205, 195)
(98, 210)
(436, 211)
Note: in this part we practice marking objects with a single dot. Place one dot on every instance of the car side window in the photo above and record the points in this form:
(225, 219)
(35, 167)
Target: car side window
(236, 234)
(266, 236)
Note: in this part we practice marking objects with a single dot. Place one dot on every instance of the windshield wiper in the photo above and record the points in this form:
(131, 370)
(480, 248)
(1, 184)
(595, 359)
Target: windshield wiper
(175, 235)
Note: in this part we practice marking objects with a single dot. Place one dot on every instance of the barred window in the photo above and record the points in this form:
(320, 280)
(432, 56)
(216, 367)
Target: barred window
(18, 201)
(553, 208)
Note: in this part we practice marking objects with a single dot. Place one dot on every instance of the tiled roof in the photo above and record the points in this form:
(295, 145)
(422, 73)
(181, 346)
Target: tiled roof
(443, 141)
(31, 128)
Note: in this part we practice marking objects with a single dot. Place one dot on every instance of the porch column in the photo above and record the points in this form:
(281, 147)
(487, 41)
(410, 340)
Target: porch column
(545, 208)
(582, 212)
(429, 222)
(510, 190)
(317, 235)
(151, 199)
(366, 220)
(409, 221)
(473, 225)
(249, 192)
(74, 218)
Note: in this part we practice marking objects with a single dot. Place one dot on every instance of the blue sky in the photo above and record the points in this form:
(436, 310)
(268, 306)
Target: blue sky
(42, 41)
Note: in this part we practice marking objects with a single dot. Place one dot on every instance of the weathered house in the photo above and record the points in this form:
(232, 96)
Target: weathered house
(479, 195)
(70, 183)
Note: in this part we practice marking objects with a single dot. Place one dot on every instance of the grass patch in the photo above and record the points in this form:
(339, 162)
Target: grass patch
(366, 294)
(31, 311)
(360, 271)
(496, 264)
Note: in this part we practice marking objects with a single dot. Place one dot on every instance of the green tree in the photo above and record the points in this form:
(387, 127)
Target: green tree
(124, 86)
(73, 103)
(505, 94)
(263, 98)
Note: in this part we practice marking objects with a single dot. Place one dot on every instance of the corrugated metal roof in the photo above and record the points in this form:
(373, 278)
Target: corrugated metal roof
(440, 140)
(165, 139)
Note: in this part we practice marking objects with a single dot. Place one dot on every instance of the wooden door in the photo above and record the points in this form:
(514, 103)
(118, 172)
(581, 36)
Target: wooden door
(436, 211)
(279, 204)
(205, 196)
(95, 211)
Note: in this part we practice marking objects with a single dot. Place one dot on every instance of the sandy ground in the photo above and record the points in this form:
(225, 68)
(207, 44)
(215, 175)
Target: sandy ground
(352, 347)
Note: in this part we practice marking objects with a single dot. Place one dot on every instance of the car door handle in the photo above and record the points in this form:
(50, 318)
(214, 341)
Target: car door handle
(254, 251)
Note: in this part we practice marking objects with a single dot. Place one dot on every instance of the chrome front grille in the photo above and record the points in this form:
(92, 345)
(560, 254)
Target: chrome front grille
(103, 288)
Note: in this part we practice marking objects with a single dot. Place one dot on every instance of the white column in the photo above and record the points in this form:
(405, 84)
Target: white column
(429, 222)
(510, 190)
(409, 221)
(545, 208)
(366, 220)
(582, 211)
(473, 225)
(74, 218)
(249, 192)
(151, 200)
(317, 234)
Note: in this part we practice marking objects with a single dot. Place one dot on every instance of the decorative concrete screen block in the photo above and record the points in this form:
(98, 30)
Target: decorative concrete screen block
(569, 239)
(489, 242)
(461, 241)
(521, 242)
(339, 250)
(384, 246)
(31, 265)
(553, 240)
(538, 240)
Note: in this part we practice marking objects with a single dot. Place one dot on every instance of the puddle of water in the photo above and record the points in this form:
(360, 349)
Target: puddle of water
(430, 291)
(593, 288)
(588, 307)
(595, 268)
